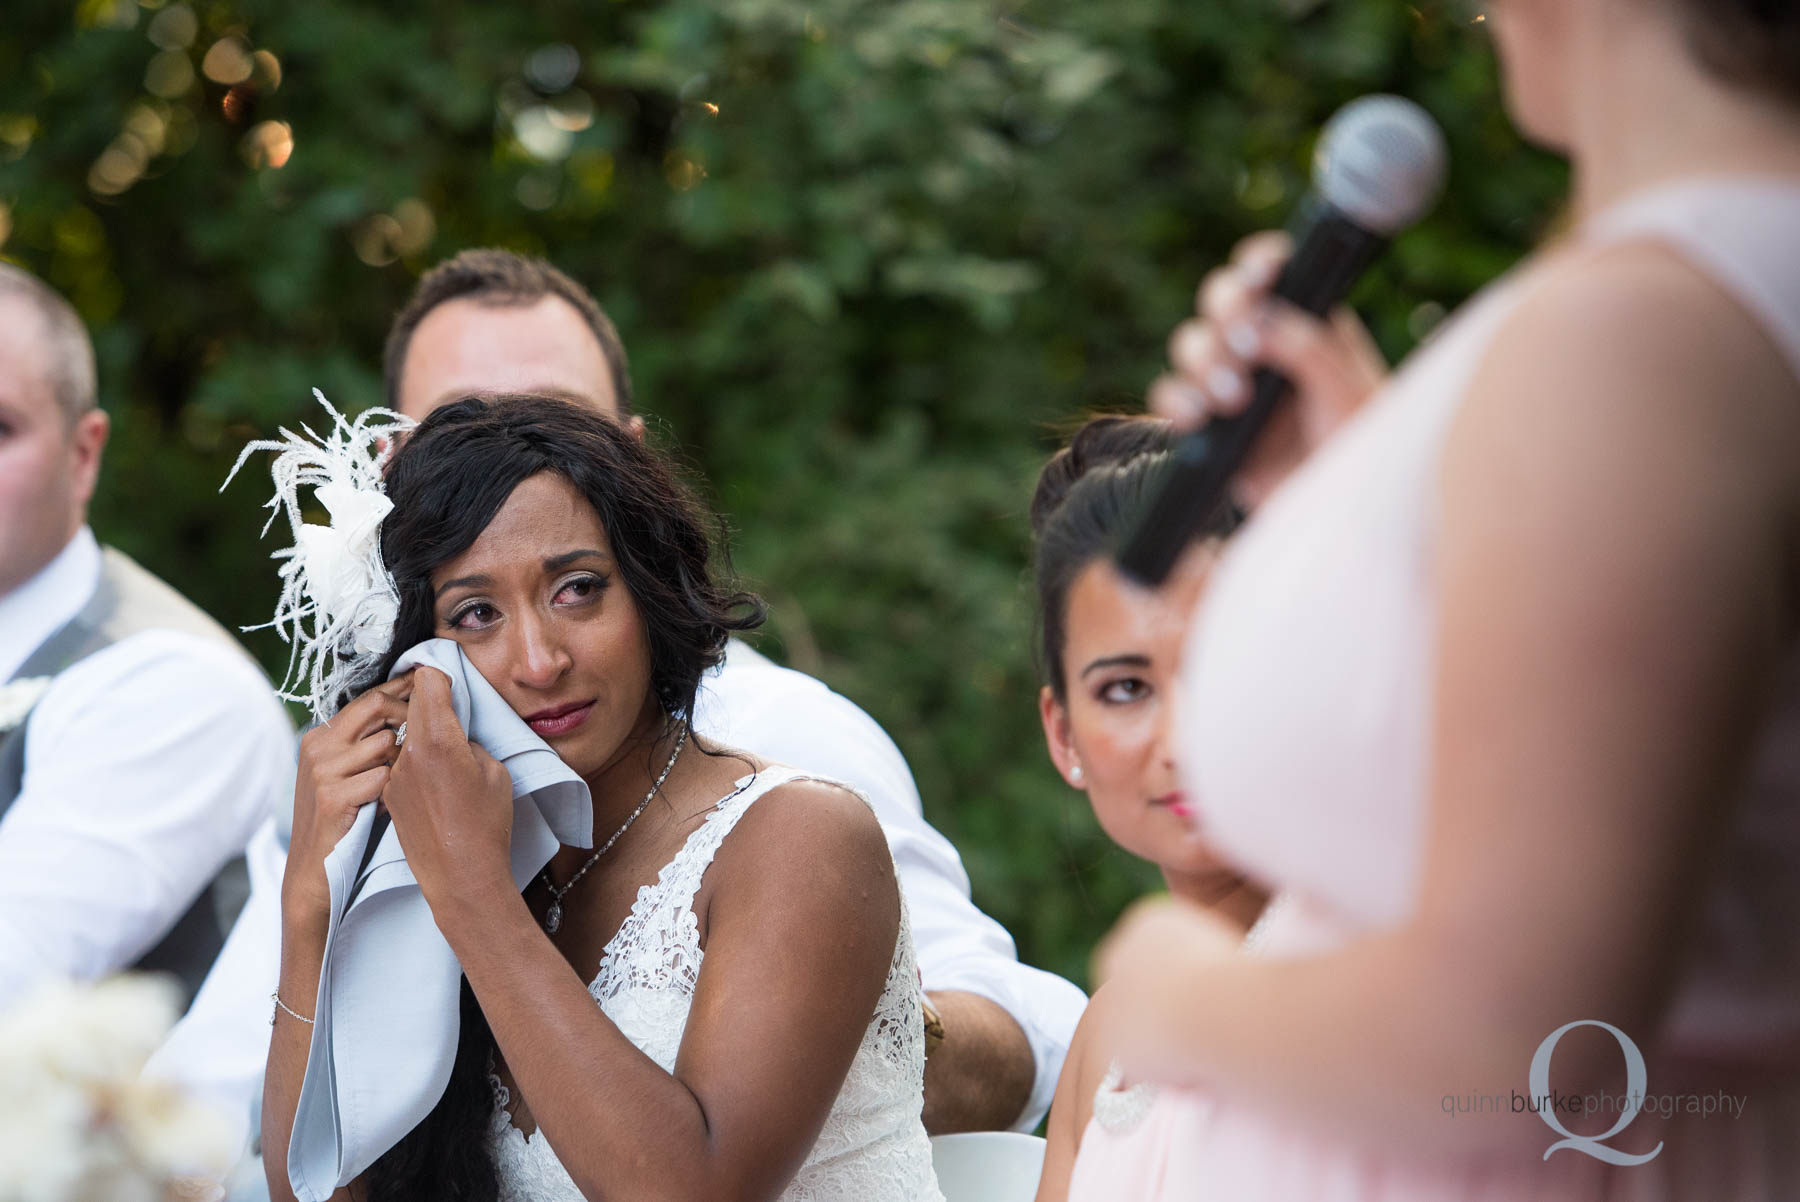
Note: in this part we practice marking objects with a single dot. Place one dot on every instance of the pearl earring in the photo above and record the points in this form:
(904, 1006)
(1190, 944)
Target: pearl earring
(1075, 774)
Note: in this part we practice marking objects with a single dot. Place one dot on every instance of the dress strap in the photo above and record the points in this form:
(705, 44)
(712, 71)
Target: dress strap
(680, 881)
(1742, 232)
(657, 946)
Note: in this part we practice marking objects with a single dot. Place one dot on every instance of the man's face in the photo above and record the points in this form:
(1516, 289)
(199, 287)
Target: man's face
(47, 470)
(471, 347)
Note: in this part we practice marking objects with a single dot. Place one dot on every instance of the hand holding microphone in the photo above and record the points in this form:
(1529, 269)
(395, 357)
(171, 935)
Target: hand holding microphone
(1331, 363)
(1380, 165)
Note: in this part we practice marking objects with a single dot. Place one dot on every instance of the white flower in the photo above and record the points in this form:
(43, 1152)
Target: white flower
(338, 602)
(89, 1033)
(164, 1127)
(81, 1125)
(17, 698)
(342, 565)
(41, 1154)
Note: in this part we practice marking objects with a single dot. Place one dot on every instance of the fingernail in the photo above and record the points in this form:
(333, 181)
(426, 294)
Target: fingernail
(1179, 402)
(1243, 340)
(1224, 383)
(1263, 273)
(1193, 343)
(1194, 401)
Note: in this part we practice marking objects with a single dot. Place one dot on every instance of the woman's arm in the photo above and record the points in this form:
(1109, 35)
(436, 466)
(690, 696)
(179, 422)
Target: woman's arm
(799, 932)
(343, 766)
(1613, 548)
(302, 954)
(1073, 1105)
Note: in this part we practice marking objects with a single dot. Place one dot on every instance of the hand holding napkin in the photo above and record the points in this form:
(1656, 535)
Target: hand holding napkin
(386, 1017)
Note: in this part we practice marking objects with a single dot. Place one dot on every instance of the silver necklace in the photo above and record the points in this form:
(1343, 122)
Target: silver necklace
(553, 916)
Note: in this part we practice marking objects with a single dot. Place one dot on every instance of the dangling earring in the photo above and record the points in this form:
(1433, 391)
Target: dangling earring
(1075, 774)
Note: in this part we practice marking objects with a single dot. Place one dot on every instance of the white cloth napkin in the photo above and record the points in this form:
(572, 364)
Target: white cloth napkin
(386, 1019)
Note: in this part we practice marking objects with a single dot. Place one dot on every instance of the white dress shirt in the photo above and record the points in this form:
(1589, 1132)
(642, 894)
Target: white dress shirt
(790, 717)
(147, 766)
(219, 1047)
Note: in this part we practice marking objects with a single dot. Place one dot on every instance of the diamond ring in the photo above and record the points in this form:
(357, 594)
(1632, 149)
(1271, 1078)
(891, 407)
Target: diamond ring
(400, 735)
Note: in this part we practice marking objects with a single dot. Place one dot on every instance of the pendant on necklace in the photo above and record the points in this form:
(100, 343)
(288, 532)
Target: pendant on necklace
(553, 917)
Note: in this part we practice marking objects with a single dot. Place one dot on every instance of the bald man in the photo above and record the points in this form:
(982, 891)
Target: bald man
(139, 744)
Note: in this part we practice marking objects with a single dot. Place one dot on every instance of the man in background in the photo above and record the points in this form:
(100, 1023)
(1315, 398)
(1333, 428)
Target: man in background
(491, 322)
(139, 745)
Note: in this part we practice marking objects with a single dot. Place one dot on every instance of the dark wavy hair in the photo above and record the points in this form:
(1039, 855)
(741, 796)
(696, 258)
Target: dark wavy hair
(1755, 43)
(1086, 496)
(448, 480)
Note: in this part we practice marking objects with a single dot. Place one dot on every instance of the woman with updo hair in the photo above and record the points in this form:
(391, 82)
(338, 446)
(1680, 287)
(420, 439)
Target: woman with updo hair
(716, 998)
(1109, 650)
(1499, 683)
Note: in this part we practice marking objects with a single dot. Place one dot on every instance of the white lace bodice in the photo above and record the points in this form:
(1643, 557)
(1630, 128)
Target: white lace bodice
(873, 1147)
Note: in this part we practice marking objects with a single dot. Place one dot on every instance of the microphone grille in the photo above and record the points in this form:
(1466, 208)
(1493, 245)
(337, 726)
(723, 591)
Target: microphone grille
(1381, 162)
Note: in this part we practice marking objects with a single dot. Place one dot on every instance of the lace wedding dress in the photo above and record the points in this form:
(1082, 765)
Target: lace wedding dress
(873, 1147)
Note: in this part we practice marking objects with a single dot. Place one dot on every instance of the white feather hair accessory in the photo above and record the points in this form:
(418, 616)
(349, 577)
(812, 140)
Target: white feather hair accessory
(338, 601)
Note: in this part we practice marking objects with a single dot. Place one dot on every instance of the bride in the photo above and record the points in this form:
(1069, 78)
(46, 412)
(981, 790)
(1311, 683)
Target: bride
(719, 999)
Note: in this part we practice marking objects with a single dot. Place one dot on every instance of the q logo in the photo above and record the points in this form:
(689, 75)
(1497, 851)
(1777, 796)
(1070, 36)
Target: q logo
(1636, 1077)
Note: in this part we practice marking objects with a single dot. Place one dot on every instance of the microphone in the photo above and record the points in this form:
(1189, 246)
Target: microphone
(1379, 167)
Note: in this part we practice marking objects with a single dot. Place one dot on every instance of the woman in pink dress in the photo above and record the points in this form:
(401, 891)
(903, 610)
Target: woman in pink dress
(1110, 650)
(1500, 685)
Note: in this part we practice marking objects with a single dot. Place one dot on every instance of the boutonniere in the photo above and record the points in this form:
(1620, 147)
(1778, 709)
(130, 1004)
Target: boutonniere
(17, 697)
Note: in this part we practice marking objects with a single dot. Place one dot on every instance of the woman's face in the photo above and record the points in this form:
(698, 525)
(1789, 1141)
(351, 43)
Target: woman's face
(1536, 41)
(1110, 736)
(539, 607)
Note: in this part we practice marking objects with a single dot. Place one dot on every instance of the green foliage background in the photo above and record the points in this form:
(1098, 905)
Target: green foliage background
(870, 257)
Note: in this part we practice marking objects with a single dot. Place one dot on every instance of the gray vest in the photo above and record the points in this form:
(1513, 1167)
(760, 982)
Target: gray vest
(128, 601)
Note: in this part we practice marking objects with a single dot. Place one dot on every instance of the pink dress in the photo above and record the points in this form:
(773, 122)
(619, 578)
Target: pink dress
(1317, 632)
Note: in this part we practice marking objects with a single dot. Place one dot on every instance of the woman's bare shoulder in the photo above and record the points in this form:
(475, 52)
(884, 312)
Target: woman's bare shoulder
(1641, 324)
(1631, 372)
(811, 835)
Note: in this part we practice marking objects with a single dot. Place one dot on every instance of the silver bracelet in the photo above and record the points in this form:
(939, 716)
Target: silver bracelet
(276, 996)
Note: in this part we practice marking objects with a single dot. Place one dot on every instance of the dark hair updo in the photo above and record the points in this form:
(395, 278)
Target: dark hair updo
(447, 481)
(456, 470)
(1755, 43)
(1086, 495)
